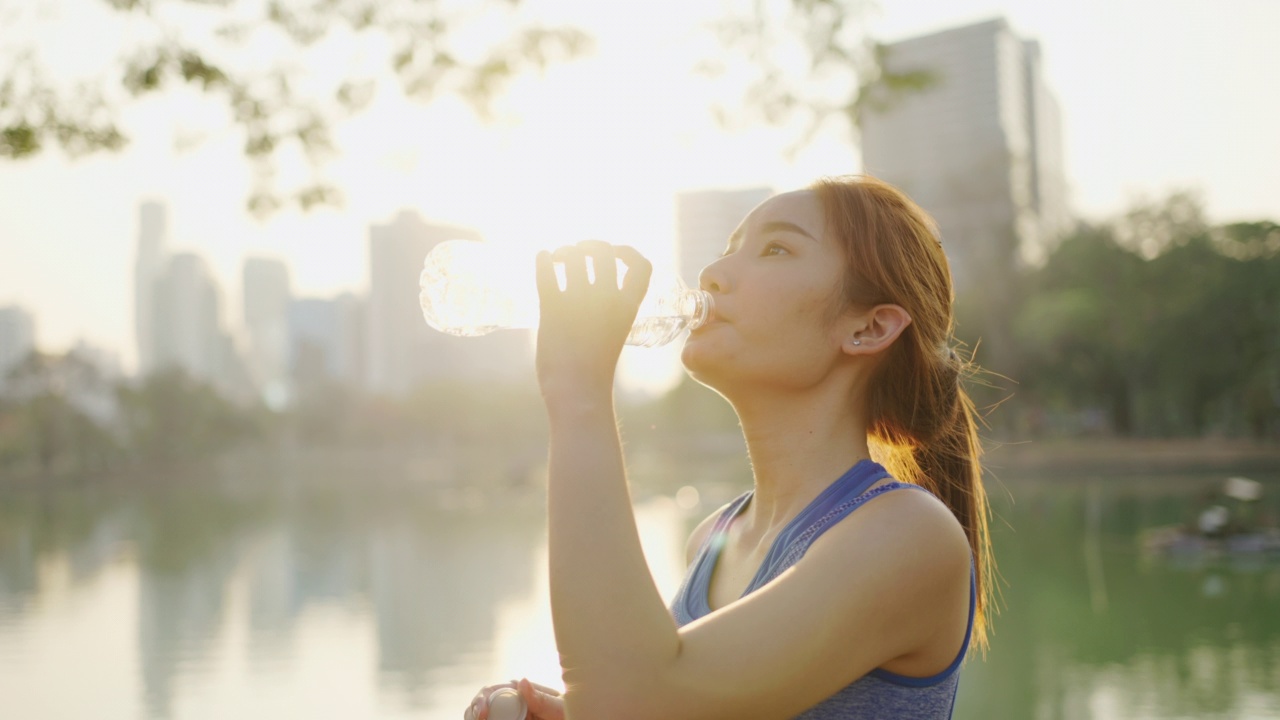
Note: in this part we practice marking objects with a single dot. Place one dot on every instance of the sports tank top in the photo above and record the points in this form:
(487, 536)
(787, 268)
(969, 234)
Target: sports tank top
(877, 695)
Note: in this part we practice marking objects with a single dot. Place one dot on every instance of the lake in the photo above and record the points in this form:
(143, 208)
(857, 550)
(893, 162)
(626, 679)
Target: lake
(320, 591)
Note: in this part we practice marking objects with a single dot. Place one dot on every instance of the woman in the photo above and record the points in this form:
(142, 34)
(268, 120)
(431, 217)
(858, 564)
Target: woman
(831, 339)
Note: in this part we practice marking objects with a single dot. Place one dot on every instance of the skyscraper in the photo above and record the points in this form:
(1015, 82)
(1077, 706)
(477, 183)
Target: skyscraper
(148, 263)
(17, 338)
(326, 340)
(980, 148)
(267, 295)
(704, 221)
(400, 345)
(187, 322)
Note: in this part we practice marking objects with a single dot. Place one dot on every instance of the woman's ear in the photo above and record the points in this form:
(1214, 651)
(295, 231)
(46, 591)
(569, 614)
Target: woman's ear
(875, 330)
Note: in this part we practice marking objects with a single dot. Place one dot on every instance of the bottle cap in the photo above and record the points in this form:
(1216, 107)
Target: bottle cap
(506, 704)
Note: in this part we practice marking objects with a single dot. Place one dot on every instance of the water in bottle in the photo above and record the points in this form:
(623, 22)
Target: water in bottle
(472, 288)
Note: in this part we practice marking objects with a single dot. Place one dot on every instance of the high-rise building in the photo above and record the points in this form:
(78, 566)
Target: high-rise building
(188, 332)
(148, 264)
(17, 338)
(402, 351)
(187, 322)
(326, 340)
(979, 148)
(704, 221)
(267, 295)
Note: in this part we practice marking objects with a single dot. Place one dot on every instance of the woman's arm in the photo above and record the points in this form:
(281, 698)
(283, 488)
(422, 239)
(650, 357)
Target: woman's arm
(866, 592)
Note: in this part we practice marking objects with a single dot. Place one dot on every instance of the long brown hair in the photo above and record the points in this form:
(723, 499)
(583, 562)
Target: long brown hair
(922, 421)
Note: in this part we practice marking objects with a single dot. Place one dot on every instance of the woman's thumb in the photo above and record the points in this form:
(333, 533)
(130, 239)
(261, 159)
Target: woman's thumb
(537, 702)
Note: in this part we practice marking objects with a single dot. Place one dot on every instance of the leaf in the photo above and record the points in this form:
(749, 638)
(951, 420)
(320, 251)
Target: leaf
(19, 141)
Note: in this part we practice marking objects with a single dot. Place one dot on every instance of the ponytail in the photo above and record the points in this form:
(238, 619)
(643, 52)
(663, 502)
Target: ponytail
(922, 421)
(943, 457)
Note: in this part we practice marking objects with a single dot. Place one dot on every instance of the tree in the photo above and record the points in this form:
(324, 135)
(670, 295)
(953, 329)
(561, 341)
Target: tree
(1167, 324)
(811, 61)
(810, 58)
(170, 415)
(212, 45)
(48, 424)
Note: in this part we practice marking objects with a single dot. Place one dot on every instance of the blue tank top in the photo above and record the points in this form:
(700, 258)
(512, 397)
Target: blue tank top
(878, 694)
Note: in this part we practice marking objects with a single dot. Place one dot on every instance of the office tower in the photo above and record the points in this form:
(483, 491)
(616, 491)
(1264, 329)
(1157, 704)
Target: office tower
(402, 351)
(326, 341)
(187, 324)
(704, 221)
(979, 149)
(267, 295)
(95, 395)
(148, 263)
(17, 339)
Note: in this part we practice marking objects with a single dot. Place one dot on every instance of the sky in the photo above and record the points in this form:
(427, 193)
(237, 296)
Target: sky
(1156, 95)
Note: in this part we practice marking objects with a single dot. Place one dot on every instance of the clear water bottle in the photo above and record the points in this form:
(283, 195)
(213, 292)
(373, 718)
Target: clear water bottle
(472, 288)
(506, 704)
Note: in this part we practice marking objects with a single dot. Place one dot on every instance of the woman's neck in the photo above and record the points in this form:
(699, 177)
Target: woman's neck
(798, 445)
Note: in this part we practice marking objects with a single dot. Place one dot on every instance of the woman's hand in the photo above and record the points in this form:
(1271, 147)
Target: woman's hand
(584, 326)
(543, 702)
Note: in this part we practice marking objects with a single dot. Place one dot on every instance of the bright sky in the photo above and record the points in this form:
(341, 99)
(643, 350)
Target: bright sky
(1155, 94)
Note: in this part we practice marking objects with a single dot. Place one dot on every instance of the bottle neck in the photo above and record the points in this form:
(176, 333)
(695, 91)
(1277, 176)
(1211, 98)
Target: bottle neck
(695, 305)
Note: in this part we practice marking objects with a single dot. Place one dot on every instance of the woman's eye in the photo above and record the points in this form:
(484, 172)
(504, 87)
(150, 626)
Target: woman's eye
(774, 249)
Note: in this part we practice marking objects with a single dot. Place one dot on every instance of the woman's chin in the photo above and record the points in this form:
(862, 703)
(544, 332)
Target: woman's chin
(699, 361)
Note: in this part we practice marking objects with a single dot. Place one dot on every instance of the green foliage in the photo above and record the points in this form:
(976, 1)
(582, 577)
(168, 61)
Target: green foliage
(1159, 323)
(811, 61)
(169, 416)
(265, 99)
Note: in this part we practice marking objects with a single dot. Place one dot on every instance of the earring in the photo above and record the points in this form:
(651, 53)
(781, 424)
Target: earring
(857, 342)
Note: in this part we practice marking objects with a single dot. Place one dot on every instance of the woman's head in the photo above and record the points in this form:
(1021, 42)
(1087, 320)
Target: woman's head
(773, 289)
(920, 420)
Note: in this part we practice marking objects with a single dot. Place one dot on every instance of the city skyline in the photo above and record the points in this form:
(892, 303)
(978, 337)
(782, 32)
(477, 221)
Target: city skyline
(1151, 102)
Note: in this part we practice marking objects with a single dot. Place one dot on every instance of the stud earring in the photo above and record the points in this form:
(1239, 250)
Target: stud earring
(857, 342)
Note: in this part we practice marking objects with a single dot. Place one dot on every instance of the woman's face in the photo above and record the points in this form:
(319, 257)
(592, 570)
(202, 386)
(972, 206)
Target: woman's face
(774, 291)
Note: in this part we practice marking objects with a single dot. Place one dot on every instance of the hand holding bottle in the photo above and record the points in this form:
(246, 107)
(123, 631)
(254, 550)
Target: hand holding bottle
(584, 325)
(470, 288)
(521, 700)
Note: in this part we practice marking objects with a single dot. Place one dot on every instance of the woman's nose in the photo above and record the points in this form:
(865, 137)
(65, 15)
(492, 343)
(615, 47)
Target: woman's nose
(712, 277)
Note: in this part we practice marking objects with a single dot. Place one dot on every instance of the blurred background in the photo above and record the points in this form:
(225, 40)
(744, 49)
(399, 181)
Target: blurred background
(240, 476)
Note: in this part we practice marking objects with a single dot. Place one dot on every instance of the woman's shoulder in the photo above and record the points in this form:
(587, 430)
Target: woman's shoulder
(702, 530)
(916, 519)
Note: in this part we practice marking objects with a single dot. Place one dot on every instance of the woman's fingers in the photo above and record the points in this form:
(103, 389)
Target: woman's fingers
(479, 707)
(546, 274)
(575, 266)
(543, 702)
(603, 262)
(603, 257)
(639, 270)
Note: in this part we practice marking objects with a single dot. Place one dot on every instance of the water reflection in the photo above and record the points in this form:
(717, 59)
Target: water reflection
(274, 595)
(1093, 629)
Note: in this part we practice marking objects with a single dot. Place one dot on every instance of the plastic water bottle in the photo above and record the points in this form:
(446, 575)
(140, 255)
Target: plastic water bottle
(472, 288)
(506, 704)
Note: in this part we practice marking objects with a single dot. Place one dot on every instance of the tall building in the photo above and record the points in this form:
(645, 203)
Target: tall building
(402, 351)
(17, 338)
(148, 264)
(187, 322)
(980, 148)
(326, 340)
(267, 294)
(704, 221)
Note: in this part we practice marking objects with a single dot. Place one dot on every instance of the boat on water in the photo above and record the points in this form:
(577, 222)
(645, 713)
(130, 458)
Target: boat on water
(1178, 540)
(1226, 524)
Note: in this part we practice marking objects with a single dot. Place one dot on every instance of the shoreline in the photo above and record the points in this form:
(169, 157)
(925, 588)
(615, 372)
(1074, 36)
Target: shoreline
(1103, 456)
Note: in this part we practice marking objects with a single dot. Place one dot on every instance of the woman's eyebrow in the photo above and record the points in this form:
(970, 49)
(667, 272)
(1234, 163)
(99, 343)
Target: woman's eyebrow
(771, 226)
(782, 226)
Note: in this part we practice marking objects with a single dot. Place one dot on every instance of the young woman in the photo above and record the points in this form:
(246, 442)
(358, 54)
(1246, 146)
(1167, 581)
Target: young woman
(839, 587)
